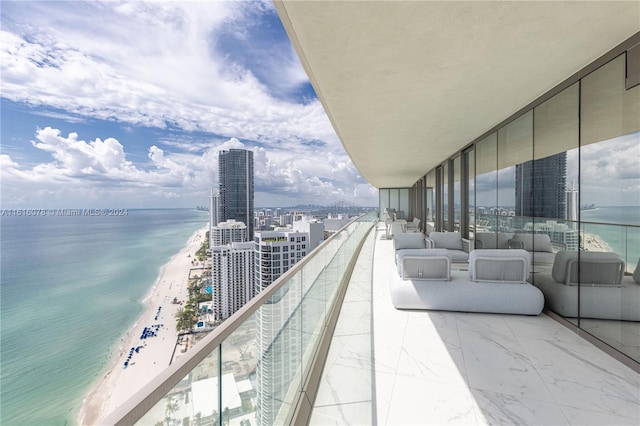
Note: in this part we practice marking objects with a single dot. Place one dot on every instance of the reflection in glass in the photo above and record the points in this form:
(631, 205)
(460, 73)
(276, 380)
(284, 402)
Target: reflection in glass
(541, 187)
(471, 191)
(609, 182)
(486, 183)
(444, 212)
(515, 147)
(457, 200)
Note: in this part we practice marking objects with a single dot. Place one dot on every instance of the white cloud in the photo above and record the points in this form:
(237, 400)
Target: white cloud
(151, 64)
(157, 64)
(99, 171)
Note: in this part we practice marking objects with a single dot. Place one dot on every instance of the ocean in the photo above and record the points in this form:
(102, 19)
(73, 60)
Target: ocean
(70, 287)
(624, 240)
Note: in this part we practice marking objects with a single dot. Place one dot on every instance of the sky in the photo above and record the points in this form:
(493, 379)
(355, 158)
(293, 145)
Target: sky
(127, 104)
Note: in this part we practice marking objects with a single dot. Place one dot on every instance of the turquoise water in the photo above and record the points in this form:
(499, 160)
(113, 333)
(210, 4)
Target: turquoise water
(70, 287)
(624, 240)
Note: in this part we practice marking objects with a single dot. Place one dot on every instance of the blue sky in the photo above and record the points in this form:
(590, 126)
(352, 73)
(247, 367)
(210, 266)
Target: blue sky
(127, 104)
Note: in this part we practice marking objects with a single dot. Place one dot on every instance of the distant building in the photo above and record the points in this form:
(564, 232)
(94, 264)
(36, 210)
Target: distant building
(213, 214)
(214, 200)
(232, 277)
(235, 169)
(286, 219)
(314, 229)
(276, 252)
(541, 187)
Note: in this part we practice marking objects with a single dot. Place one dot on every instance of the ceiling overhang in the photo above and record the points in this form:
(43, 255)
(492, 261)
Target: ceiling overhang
(407, 84)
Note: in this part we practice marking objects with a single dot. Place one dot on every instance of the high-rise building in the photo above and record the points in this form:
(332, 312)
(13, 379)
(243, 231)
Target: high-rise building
(228, 232)
(213, 214)
(232, 276)
(541, 187)
(235, 169)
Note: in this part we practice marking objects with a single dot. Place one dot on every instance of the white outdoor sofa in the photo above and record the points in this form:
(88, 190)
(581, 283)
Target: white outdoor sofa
(496, 282)
(604, 291)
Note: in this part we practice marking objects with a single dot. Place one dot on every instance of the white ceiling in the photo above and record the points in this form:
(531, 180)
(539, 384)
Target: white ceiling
(406, 84)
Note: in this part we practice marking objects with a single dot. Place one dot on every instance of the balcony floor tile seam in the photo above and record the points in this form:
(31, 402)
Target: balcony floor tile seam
(343, 403)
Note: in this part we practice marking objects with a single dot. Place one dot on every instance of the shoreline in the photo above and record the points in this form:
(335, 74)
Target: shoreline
(594, 242)
(146, 347)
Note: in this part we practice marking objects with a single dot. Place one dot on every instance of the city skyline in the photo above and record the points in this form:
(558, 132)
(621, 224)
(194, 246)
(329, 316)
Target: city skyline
(134, 115)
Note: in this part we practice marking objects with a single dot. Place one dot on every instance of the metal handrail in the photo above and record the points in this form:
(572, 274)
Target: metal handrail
(142, 401)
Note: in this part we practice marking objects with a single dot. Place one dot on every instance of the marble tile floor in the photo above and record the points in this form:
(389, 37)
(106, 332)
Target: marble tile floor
(392, 367)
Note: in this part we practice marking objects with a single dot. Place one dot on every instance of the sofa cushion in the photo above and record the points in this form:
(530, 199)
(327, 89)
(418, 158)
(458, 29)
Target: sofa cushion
(409, 240)
(425, 264)
(596, 268)
(495, 265)
(447, 240)
(534, 242)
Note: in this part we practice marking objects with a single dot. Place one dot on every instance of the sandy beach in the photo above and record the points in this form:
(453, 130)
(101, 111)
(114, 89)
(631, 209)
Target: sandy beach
(592, 242)
(154, 352)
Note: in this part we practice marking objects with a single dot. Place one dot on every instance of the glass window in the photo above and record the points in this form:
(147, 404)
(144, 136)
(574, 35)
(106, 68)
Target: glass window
(403, 203)
(609, 182)
(515, 152)
(444, 190)
(394, 199)
(470, 163)
(457, 199)
(609, 140)
(384, 201)
(486, 183)
(430, 200)
(608, 110)
(555, 199)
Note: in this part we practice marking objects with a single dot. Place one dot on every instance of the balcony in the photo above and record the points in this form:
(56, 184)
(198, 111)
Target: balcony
(387, 366)
(265, 365)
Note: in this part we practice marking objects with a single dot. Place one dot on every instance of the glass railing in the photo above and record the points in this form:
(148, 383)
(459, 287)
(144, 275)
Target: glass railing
(253, 369)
